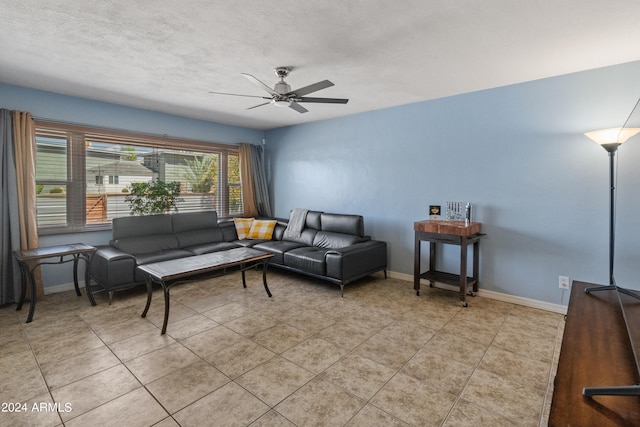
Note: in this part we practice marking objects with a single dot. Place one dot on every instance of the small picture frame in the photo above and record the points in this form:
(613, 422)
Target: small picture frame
(435, 212)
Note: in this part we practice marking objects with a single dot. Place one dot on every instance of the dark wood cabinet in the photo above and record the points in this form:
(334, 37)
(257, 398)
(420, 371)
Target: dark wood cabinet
(596, 352)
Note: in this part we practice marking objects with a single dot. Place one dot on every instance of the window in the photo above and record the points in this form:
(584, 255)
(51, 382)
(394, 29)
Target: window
(84, 175)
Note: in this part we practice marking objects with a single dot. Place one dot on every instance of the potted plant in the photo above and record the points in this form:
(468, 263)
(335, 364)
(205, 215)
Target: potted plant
(157, 197)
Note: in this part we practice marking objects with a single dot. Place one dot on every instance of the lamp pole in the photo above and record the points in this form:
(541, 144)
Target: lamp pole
(611, 148)
(610, 140)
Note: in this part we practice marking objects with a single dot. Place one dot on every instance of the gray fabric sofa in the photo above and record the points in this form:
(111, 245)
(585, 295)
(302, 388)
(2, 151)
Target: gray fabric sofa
(331, 247)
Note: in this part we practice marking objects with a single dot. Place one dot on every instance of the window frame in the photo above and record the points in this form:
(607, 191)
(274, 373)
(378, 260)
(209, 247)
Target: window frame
(76, 177)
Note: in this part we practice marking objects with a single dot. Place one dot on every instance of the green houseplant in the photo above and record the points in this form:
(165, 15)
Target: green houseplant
(149, 198)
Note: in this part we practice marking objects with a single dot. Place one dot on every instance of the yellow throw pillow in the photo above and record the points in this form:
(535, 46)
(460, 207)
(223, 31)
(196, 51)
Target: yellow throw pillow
(243, 226)
(262, 229)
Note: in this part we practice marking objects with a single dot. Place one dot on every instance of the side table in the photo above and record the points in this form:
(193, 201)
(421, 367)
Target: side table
(459, 233)
(74, 252)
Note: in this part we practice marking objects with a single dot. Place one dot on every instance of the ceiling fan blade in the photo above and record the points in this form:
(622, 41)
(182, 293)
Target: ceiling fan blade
(238, 94)
(258, 83)
(311, 88)
(323, 100)
(259, 105)
(299, 108)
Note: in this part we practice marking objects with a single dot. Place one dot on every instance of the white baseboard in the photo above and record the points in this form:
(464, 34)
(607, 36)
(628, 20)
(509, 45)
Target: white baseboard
(63, 287)
(527, 302)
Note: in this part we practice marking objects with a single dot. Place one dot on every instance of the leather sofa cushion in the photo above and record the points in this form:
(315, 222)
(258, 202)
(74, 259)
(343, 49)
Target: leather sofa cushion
(190, 221)
(306, 237)
(347, 224)
(329, 240)
(199, 237)
(314, 220)
(139, 226)
(228, 229)
(307, 259)
(146, 244)
(206, 248)
(278, 249)
(151, 257)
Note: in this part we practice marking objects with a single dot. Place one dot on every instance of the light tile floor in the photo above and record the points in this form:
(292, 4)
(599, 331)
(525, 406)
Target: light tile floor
(380, 356)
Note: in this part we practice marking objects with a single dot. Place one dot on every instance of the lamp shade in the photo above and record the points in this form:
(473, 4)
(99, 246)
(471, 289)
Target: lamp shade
(610, 139)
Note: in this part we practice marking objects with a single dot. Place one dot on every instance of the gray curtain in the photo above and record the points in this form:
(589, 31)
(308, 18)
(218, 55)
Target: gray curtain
(9, 218)
(260, 180)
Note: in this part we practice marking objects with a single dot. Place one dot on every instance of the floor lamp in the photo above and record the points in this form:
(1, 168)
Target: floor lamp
(610, 140)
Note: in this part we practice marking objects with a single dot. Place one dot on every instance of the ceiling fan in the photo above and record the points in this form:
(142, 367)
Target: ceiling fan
(282, 96)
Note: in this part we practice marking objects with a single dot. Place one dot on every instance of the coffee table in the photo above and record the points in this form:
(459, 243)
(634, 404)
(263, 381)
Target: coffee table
(169, 273)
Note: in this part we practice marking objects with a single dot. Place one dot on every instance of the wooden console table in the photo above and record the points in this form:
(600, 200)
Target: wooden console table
(595, 352)
(31, 259)
(458, 233)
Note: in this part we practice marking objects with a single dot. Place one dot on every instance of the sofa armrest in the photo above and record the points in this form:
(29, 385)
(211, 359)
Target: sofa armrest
(354, 261)
(111, 267)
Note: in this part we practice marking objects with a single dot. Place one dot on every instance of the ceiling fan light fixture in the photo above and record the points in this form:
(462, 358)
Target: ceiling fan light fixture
(281, 102)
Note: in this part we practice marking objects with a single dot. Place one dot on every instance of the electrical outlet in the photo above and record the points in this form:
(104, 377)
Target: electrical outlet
(563, 282)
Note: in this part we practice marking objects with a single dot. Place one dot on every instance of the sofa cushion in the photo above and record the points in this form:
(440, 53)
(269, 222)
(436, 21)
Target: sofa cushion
(308, 259)
(261, 229)
(338, 223)
(165, 255)
(138, 226)
(146, 244)
(330, 240)
(278, 249)
(306, 237)
(190, 221)
(243, 227)
(199, 237)
(206, 248)
(228, 229)
(313, 220)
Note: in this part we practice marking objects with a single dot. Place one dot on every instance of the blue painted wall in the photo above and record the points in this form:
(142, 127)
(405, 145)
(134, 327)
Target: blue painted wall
(517, 153)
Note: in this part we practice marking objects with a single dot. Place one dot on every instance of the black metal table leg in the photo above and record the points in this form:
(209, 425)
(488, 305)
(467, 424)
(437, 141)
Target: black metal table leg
(23, 284)
(76, 257)
(265, 264)
(32, 305)
(165, 288)
(147, 280)
(244, 281)
(87, 277)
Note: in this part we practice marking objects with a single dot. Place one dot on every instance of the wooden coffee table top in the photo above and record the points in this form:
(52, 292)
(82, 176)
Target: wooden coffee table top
(189, 266)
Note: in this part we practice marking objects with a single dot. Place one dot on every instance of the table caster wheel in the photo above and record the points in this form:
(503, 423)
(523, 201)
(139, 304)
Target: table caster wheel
(417, 293)
(471, 294)
(464, 304)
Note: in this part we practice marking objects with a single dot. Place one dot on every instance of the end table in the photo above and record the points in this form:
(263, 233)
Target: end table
(30, 259)
(459, 233)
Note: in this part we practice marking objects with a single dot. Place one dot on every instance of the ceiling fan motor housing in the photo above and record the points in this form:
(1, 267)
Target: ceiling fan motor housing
(282, 88)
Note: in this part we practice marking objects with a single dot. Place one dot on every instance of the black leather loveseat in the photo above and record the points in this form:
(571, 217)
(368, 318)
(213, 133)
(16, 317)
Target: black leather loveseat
(331, 247)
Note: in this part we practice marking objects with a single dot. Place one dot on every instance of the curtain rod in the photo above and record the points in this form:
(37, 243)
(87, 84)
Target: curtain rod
(97, 129)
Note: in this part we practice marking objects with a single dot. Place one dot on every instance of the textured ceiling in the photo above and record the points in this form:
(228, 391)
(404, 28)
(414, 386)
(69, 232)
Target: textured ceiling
(167, 55)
